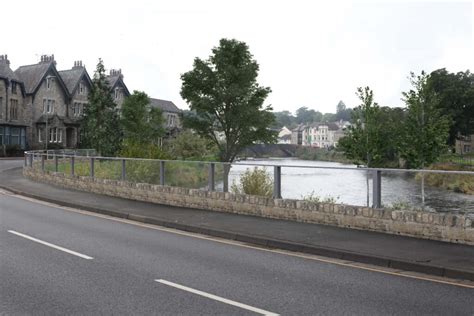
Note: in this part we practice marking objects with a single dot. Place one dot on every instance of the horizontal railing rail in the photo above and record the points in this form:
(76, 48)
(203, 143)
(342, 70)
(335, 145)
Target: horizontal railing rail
(90, 154)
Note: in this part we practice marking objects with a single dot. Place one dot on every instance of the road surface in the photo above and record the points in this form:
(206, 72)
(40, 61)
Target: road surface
(55, 260)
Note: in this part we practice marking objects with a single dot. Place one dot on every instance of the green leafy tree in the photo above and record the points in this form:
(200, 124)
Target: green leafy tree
(426, 129)
(305, 115)
(455, 92)
(101, 128)
(342, 112)
(284, 118)
(142, 124)
(363, 142)
(190, 146)
(227, 101)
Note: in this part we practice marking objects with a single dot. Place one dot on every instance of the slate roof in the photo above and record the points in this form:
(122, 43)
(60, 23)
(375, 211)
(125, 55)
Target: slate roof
(71, 78)
(114, 80)
(164, 105)
(7, 73)
(31, 75)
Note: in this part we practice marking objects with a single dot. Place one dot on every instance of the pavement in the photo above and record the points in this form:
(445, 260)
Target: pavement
(393, 251)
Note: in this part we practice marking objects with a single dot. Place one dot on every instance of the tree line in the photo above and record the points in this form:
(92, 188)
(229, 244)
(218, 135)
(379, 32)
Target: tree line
(227, 113)
(439, 108)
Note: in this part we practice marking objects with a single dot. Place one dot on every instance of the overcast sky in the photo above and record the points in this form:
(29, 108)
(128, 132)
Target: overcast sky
(310, 53)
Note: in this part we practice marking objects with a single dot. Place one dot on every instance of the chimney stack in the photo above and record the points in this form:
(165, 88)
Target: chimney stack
(116, 72)
(47, 59)
(4, 59)
(77, 64)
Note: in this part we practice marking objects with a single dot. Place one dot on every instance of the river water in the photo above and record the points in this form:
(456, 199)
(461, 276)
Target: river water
(349, 186)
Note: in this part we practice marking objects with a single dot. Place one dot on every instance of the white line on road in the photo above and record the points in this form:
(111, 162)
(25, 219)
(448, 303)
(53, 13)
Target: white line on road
(217, 298)
(50, 245)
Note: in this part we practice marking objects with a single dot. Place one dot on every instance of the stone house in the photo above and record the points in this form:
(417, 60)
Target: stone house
(14, 115)
(171, 115)
(41, 107)
(117, 86)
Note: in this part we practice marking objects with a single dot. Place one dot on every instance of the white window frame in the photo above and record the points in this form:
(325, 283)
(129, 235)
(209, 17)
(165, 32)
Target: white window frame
(40, 137)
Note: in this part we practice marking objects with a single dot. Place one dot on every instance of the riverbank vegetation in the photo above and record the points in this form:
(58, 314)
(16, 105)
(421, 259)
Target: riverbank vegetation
(439, 108)
(461, 183)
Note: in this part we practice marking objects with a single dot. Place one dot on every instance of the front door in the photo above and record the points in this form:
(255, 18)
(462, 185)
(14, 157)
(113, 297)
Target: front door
(70, 137)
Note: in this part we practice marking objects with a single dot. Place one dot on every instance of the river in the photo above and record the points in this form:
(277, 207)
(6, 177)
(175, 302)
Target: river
(349, 186)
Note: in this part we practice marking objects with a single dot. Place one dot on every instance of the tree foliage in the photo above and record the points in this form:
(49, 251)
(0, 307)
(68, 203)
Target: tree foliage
(455, 92)
(190, 146)
(142, 124)
(256, 181)
(426, 129)
(374, 136)
(101, 128)
(226, 99)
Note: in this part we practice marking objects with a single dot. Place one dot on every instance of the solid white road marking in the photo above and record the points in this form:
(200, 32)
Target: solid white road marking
(51, 245)
(217, 298)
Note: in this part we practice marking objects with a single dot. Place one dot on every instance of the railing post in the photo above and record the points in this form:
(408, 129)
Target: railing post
(376, 188)
(124, 171)
(30, 157)
(277, 182)
(212, 168)
(162, 172)
(92, 167)
(42, 162)
(25, 163)
(72, 165)
(56, 169)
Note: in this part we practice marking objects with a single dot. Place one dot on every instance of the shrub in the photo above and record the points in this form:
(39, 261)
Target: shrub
(314, 198)
(254, 182)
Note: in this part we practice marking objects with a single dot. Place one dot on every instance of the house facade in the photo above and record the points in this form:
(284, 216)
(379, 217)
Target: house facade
(321, 135)
(15, 117)
(41, 107)
(171, 115)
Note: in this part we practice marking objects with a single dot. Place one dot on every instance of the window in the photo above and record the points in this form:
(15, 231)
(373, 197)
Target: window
(2, 133)
(40, 135)
(77, 109)
(81, 88)
(1, 109)
(55, 135)
(467, 148)
(13, 109)
(48, 106)
(14, 136)
(13, 87)
(49, 82)
(116, 96)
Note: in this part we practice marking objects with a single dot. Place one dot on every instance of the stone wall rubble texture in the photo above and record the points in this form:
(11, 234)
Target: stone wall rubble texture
(456, 228)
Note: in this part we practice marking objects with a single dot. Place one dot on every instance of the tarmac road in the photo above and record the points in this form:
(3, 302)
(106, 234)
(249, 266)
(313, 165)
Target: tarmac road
(58, 261)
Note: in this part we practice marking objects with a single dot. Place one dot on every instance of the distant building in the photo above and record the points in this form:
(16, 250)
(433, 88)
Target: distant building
(321, 135)
(284, 136)
(297, 135)
(171, 115)
(464, 144)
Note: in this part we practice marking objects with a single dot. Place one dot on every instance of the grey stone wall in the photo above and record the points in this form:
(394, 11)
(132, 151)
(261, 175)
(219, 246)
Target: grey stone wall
(456, 228)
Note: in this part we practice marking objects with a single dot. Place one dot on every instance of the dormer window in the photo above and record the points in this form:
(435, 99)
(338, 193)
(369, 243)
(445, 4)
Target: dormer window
(49, 82)
(13, 87)
(117, 93)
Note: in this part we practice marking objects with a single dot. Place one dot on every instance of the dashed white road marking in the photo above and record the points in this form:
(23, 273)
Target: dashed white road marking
(348, 264)
(217, 298)
(51, 245)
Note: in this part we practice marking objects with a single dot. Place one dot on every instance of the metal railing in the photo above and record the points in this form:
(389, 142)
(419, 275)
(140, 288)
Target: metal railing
(53, 157)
